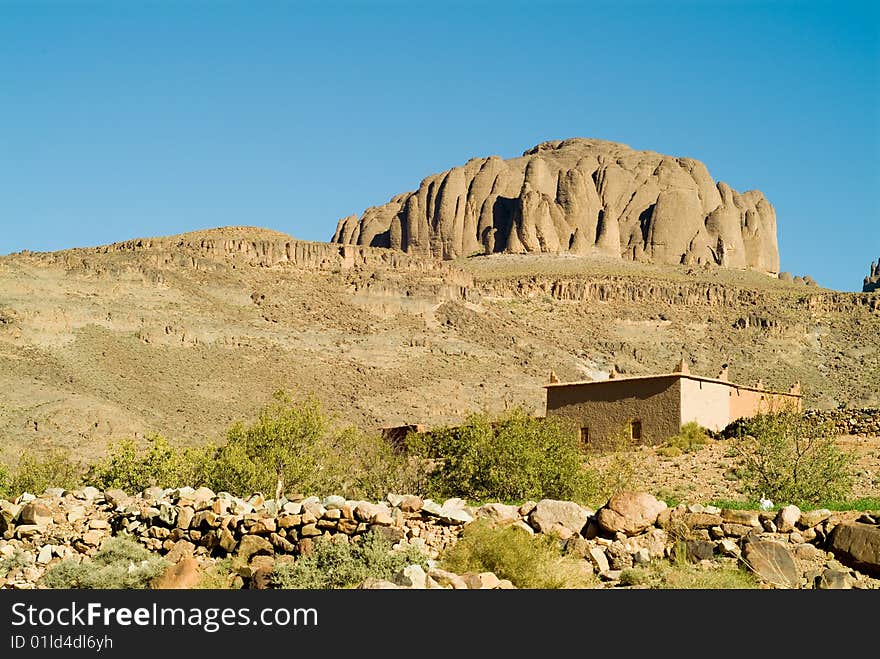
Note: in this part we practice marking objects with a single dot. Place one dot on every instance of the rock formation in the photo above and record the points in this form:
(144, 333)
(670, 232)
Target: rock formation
(577, 196)
(872, 281)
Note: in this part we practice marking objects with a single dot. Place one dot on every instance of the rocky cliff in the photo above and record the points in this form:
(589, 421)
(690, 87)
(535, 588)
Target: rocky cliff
(578, 196)
(872, 281)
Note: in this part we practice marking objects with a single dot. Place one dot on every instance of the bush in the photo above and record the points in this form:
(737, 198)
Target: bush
(161, 465)
(334, 564)
(528, 561)
(679, 574)
(5, 481)
(35, 474)
(18, 559)
(690, 438)
(616, 471)
(517, 457)
(790, 459)
(294, 448)
(120, 563)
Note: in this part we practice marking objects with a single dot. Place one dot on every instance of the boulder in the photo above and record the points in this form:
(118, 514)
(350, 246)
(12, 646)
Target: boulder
(811, 518)
(35, 512)
(831, 579)
(481, 580)
(549, 515)
(183, 574)
(630, 512)
(772, 562)
(411, 576)
(787, 518)
(251, 545)
(599, 560)
(857, 545)
(743, 517)
(447, 579)
(115, 496)
(498, 512)
(699, 550)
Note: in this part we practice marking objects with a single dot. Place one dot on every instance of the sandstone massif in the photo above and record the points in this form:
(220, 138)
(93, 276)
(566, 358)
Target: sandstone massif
(577, 196)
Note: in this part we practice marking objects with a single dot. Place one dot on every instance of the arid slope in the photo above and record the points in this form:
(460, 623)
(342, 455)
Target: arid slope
(183, 335)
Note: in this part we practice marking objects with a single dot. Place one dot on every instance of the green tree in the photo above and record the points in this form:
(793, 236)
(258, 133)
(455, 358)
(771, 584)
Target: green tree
(791, 459)
(512, 458)
(163, 465)
(36, 473)
(295, 447)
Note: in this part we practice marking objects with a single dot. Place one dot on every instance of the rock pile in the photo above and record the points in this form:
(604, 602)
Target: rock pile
(192, 528)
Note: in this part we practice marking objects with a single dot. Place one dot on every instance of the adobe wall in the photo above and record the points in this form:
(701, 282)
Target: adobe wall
(608, 406)
(748, 402)
(707, 403)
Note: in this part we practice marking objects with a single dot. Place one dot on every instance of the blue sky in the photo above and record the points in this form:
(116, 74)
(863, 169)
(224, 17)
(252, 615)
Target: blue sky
(123, 119)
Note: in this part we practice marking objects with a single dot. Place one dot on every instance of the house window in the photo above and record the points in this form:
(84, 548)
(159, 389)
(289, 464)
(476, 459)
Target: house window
(635, 430)
(585, 435)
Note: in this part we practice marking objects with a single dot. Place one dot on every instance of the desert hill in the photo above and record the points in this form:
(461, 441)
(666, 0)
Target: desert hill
(185, 334)
(577, 196)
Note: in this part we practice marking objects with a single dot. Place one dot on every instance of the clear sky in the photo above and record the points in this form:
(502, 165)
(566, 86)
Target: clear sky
(122, 119)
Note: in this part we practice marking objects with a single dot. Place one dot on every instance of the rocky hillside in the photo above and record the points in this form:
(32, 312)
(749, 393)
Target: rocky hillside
(872, 281)
(577, 196)
(186, 334)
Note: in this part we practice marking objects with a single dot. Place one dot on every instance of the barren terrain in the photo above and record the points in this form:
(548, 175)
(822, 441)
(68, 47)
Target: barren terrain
(186, 334)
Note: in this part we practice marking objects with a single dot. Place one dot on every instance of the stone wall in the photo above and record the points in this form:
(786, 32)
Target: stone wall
(788, 548)
(865, 421)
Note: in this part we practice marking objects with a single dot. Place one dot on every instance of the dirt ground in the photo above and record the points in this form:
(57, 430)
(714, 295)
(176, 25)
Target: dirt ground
(706, 475)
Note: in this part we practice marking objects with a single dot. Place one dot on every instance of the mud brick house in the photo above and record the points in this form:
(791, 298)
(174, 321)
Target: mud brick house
(652, 408)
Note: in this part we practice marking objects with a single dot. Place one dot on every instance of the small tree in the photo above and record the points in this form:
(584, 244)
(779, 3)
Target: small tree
(791, 459)
(36, 473)
(516, 457)
(295, 447)
(163, 465)
(281, 449)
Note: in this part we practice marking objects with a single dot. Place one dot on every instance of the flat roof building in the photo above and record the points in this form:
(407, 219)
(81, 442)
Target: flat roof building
(652, 408)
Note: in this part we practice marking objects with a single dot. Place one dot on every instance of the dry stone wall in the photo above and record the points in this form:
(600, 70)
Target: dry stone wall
(192, 528)
(865, 421)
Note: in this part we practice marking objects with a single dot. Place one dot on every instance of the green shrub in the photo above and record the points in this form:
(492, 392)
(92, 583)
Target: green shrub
(160, 465)
(617, 470)
(18, 559)
(790, 459)
(681, 575)
(35, 474)
(294, 448)
(221, 574)
(690, 437)
(514, 458)
(5, 481)
(120, 563)
(334, 564)
(528, 561)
